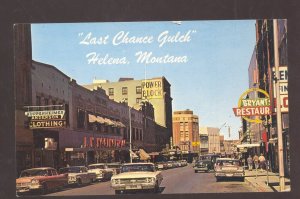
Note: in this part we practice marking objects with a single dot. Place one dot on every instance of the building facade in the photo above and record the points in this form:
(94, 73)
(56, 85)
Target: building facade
(261, 75)
(186, 131)
(22, 64)
(155, 91)
(213, 138)
(203, 141)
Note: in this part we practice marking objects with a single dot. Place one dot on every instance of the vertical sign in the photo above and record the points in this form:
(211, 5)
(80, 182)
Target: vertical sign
(283, 87)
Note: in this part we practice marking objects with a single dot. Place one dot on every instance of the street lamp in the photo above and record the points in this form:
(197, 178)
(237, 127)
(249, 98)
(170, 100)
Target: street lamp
(130, 134)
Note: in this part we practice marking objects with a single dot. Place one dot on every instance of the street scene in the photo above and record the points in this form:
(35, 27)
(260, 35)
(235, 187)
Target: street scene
(152, 107)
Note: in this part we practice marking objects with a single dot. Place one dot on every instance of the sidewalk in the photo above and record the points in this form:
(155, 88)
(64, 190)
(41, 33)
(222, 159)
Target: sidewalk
(259, 179)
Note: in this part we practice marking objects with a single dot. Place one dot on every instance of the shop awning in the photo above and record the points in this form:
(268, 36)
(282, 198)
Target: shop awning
(119, 124)
(247, 145)
(93, 118)
(133, 155)
(144, 155)
(154, 153)
(108, 121)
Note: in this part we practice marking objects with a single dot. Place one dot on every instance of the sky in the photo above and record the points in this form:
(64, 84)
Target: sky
(207, 61)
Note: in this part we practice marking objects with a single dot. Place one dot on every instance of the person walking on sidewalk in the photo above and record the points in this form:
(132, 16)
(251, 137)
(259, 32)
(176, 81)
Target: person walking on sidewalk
(250, 163)
(255, 159)
(262, 162)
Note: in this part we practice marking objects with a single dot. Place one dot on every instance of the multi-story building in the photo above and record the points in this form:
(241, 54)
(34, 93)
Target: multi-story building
(156, 91)
(261, 75)
(186, 131)
(213, 138)
(222, 147)
(23, 58)
(203, 141)
(230, 146)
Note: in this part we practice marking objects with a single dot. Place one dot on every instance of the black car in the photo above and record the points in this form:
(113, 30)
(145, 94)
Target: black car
(203, 165)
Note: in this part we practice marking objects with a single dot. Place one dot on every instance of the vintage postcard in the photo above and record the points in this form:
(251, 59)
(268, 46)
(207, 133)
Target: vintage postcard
(164, 107)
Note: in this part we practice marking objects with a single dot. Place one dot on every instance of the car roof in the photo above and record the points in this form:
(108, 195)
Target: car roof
(138, 163)
(39, 168)
(226, 159)
(72, 167)
(97, 164)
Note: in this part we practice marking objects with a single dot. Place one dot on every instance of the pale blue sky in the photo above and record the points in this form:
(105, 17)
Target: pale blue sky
(210, 83)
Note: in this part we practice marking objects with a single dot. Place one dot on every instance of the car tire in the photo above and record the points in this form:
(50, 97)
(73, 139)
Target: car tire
(196, 171)
(44, 189)
(79, 182)
(242, 179)
(217, 179)
(156, 188)
(117, 192)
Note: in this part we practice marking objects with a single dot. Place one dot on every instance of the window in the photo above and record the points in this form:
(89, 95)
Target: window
(138, 100)
(111, 91)
(80, 118)
(138, 90)
(38, 100)
(46, 101)
(124, 90)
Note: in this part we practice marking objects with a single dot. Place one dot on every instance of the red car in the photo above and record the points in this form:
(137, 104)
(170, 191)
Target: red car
(40, 179)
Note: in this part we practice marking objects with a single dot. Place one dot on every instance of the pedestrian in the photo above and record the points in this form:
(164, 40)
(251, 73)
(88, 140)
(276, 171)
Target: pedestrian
(256, 160)
(262, 162)
(250, 163)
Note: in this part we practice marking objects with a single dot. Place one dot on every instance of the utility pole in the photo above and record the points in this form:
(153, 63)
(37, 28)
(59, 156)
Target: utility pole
(130, 134)
(278, 107)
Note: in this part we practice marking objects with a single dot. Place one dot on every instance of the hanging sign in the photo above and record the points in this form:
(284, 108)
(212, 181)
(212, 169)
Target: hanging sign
(46, 119)
(253, 107)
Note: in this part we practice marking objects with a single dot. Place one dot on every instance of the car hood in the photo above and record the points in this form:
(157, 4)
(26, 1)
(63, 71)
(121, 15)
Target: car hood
(26, 179)
(142, 174)
(73, 174)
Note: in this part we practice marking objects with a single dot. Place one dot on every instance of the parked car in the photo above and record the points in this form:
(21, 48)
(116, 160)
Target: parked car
(137, 176)
(170, 165)
(183, 163)
(203, 165)
(115, 167)
(101, 170)
(161, 165)
(41, 179)
(229, 168)
(78, 175)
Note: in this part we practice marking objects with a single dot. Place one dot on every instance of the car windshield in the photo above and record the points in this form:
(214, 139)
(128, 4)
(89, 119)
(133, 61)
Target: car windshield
(137, 167)
(35, 172)
(114, 166)
(70, 170)
(101, 166)
(228, 162)
(203, 162)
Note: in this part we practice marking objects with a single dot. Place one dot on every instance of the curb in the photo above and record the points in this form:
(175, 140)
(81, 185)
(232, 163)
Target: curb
(257, 186)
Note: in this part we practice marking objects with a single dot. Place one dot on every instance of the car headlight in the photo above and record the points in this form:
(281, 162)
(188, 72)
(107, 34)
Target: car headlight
(35, 181)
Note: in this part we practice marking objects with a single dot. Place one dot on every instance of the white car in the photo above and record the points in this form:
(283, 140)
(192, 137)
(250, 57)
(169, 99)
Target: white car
(137, 176)
(78, 175)
(229, 168)
(115, 167)
(101, 170)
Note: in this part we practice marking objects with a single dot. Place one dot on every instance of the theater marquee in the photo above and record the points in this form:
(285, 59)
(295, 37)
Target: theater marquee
(253, 107)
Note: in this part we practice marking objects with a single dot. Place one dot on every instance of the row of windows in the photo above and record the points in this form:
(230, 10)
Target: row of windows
(125, 91)
(137, 134)
(186, 119)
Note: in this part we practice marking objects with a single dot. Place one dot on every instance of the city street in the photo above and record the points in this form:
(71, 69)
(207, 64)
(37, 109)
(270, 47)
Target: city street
(178, 180)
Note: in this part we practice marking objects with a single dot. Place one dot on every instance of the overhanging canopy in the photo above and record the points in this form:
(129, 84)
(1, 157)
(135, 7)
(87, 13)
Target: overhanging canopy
(133, 155)
(247, 145)
(144, 155)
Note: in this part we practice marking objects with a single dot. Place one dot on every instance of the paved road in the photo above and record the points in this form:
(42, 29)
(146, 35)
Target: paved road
(179, 180)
